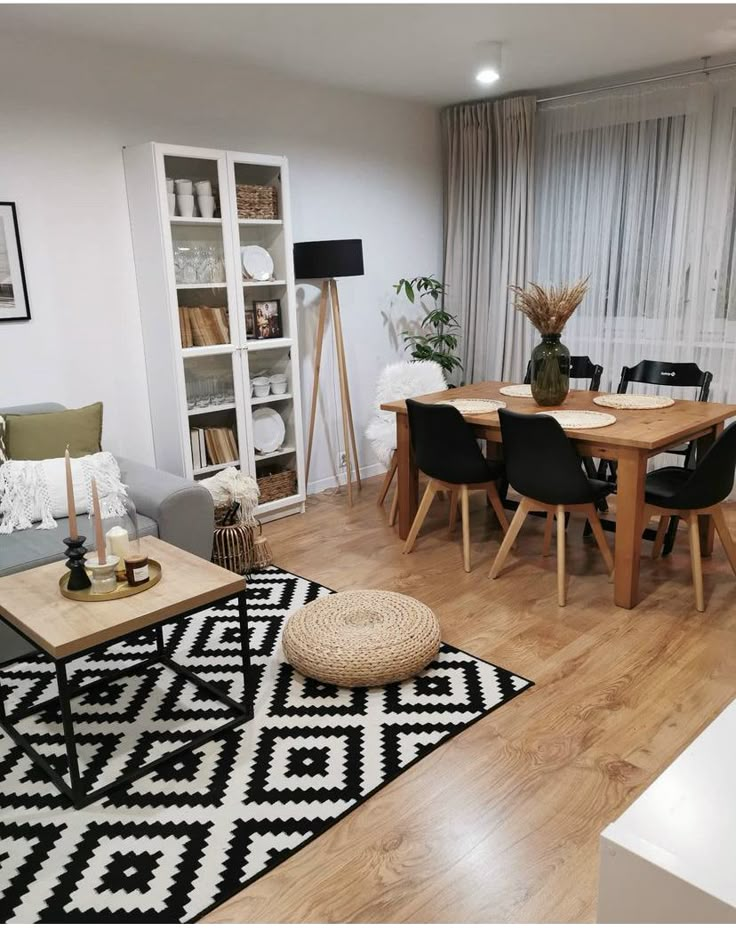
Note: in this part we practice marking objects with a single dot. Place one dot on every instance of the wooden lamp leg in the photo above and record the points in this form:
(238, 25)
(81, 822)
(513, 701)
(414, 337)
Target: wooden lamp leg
(342, 364)
(342, 375)
(317, 365)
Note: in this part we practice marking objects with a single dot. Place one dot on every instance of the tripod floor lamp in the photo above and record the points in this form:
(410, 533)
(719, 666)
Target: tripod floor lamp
(328, 260)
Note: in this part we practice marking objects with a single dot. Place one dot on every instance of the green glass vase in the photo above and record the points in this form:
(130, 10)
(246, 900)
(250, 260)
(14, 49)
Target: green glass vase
(550, 371)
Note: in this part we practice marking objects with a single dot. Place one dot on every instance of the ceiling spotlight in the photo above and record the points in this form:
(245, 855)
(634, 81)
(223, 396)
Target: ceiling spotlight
(487, 76)
(487, 62)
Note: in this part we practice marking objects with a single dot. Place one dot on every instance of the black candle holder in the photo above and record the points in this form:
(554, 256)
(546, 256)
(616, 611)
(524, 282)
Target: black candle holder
(75, 550)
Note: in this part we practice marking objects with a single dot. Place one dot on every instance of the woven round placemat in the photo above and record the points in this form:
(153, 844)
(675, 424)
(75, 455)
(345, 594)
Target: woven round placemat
(516, 391)
(474, 405)
(361, 638)
(633, 402)
(580, 420)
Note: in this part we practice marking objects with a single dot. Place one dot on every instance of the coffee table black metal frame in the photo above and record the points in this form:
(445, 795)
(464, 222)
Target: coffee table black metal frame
(75, 789)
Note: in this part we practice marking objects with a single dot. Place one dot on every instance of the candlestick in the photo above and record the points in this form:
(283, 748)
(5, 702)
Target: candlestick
(70, 505)
(78, 578)
(99, 535)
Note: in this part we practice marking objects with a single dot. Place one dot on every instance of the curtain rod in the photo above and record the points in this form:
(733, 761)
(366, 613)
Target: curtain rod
(706, 69)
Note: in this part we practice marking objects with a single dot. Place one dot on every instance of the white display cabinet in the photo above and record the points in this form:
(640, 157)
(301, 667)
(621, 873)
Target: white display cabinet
(203, 344)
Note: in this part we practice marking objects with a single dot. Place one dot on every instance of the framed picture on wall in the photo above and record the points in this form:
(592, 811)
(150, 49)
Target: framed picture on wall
(13, 292)
(250, 324)
(268, 319)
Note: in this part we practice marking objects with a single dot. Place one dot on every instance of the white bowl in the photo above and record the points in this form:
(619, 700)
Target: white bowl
(261, 391)
(278, 385)
(261, 380)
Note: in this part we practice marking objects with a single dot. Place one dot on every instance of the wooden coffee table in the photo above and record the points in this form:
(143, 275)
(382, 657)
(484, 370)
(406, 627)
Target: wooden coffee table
(65, 630)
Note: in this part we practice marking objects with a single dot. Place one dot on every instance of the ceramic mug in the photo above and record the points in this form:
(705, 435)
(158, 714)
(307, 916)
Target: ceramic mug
(182, 186)
(203, 187)
(206, 204)
(172, 203)
(185, 204)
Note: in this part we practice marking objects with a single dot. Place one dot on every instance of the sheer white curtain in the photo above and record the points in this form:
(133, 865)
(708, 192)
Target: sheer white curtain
(637, 188)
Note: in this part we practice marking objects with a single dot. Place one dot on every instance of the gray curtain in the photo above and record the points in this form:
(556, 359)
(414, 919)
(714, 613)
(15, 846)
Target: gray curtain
(489, 175)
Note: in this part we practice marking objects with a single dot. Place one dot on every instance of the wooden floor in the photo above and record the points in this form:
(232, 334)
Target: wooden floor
(501, 823)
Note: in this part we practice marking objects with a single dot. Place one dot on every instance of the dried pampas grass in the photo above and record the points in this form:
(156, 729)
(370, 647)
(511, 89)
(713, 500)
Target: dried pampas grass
(550, 308)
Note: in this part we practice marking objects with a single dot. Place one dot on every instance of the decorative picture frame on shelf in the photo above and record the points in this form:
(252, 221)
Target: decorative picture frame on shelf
(250, 324)
(268, 319)
(13, 290)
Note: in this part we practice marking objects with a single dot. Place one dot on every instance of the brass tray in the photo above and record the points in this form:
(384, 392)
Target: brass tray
(122, 589)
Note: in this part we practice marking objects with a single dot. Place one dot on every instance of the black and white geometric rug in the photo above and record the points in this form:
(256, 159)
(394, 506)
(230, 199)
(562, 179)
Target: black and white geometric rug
(188, 836)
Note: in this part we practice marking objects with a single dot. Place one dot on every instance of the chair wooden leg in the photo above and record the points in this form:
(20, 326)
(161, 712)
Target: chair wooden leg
(393, 466)
(508, 540)
(561, 555)
(600, 539)
(453, 511)
(548, 527)
(495, 502)
(695, 561)
(729, 545)
(394, 509)
(465, 507)
(659, 538)
(424, 506)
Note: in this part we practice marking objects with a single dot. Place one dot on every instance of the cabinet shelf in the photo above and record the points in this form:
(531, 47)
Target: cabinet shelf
(217, 350)
(196, 221)
(283, 451)
(214, 409)
(256, 222)
(271, 398)
(255, 345)
(216, 468)
(273, 283)
(200, 285)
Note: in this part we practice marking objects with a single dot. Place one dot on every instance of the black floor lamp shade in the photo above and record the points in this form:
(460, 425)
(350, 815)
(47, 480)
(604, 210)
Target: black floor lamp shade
(328, 258)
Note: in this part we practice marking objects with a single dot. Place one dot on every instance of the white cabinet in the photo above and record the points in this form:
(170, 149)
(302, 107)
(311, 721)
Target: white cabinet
(203, 342)
(671, 856)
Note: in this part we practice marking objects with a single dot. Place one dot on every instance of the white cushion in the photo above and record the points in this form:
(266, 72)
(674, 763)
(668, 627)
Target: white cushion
(35, 491)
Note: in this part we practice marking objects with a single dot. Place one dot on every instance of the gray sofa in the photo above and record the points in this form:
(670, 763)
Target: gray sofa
(169, 507)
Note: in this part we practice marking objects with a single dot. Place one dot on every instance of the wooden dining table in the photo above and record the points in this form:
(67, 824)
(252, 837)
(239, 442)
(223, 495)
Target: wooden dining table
(631, 441)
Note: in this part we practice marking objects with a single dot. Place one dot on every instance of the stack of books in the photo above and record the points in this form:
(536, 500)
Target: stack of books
(203, 326)
(212, 446)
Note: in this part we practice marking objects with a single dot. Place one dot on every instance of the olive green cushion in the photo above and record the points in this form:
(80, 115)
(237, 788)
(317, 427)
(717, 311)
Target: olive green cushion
(47, 435)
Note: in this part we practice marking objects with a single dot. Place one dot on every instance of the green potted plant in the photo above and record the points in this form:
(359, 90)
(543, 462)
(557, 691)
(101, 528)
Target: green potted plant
(438, 336)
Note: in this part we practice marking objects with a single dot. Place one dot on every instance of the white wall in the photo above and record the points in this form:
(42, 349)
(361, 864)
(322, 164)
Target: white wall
(361, 166)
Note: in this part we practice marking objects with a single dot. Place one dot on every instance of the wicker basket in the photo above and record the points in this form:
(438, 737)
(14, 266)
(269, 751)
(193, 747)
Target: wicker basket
(257, 202)
(232, 548)
(276, 484)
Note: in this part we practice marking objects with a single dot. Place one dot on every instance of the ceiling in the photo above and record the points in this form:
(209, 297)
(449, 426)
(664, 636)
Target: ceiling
(424, 51)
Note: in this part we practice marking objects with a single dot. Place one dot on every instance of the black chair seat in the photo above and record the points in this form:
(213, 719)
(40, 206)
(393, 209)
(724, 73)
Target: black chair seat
(662, 485)
(601, 489)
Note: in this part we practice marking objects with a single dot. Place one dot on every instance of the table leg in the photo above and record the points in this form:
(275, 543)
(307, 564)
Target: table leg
(69, 739)
(707, 527)
(408, 484)
(248, 696)
(629, 513)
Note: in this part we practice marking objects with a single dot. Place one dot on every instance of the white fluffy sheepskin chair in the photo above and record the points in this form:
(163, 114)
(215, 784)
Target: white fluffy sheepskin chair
(398, 380)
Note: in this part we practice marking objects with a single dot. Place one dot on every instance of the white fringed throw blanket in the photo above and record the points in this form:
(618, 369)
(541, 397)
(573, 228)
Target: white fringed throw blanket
(231, 485)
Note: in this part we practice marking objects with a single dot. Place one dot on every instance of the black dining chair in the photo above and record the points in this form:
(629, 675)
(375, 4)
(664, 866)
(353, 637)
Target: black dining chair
(543, 466)
(675, 491)
(671, 375)
(580, 367)
(447, 452)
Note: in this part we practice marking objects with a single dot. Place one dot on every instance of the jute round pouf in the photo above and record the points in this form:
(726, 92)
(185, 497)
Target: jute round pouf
(361, 638)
